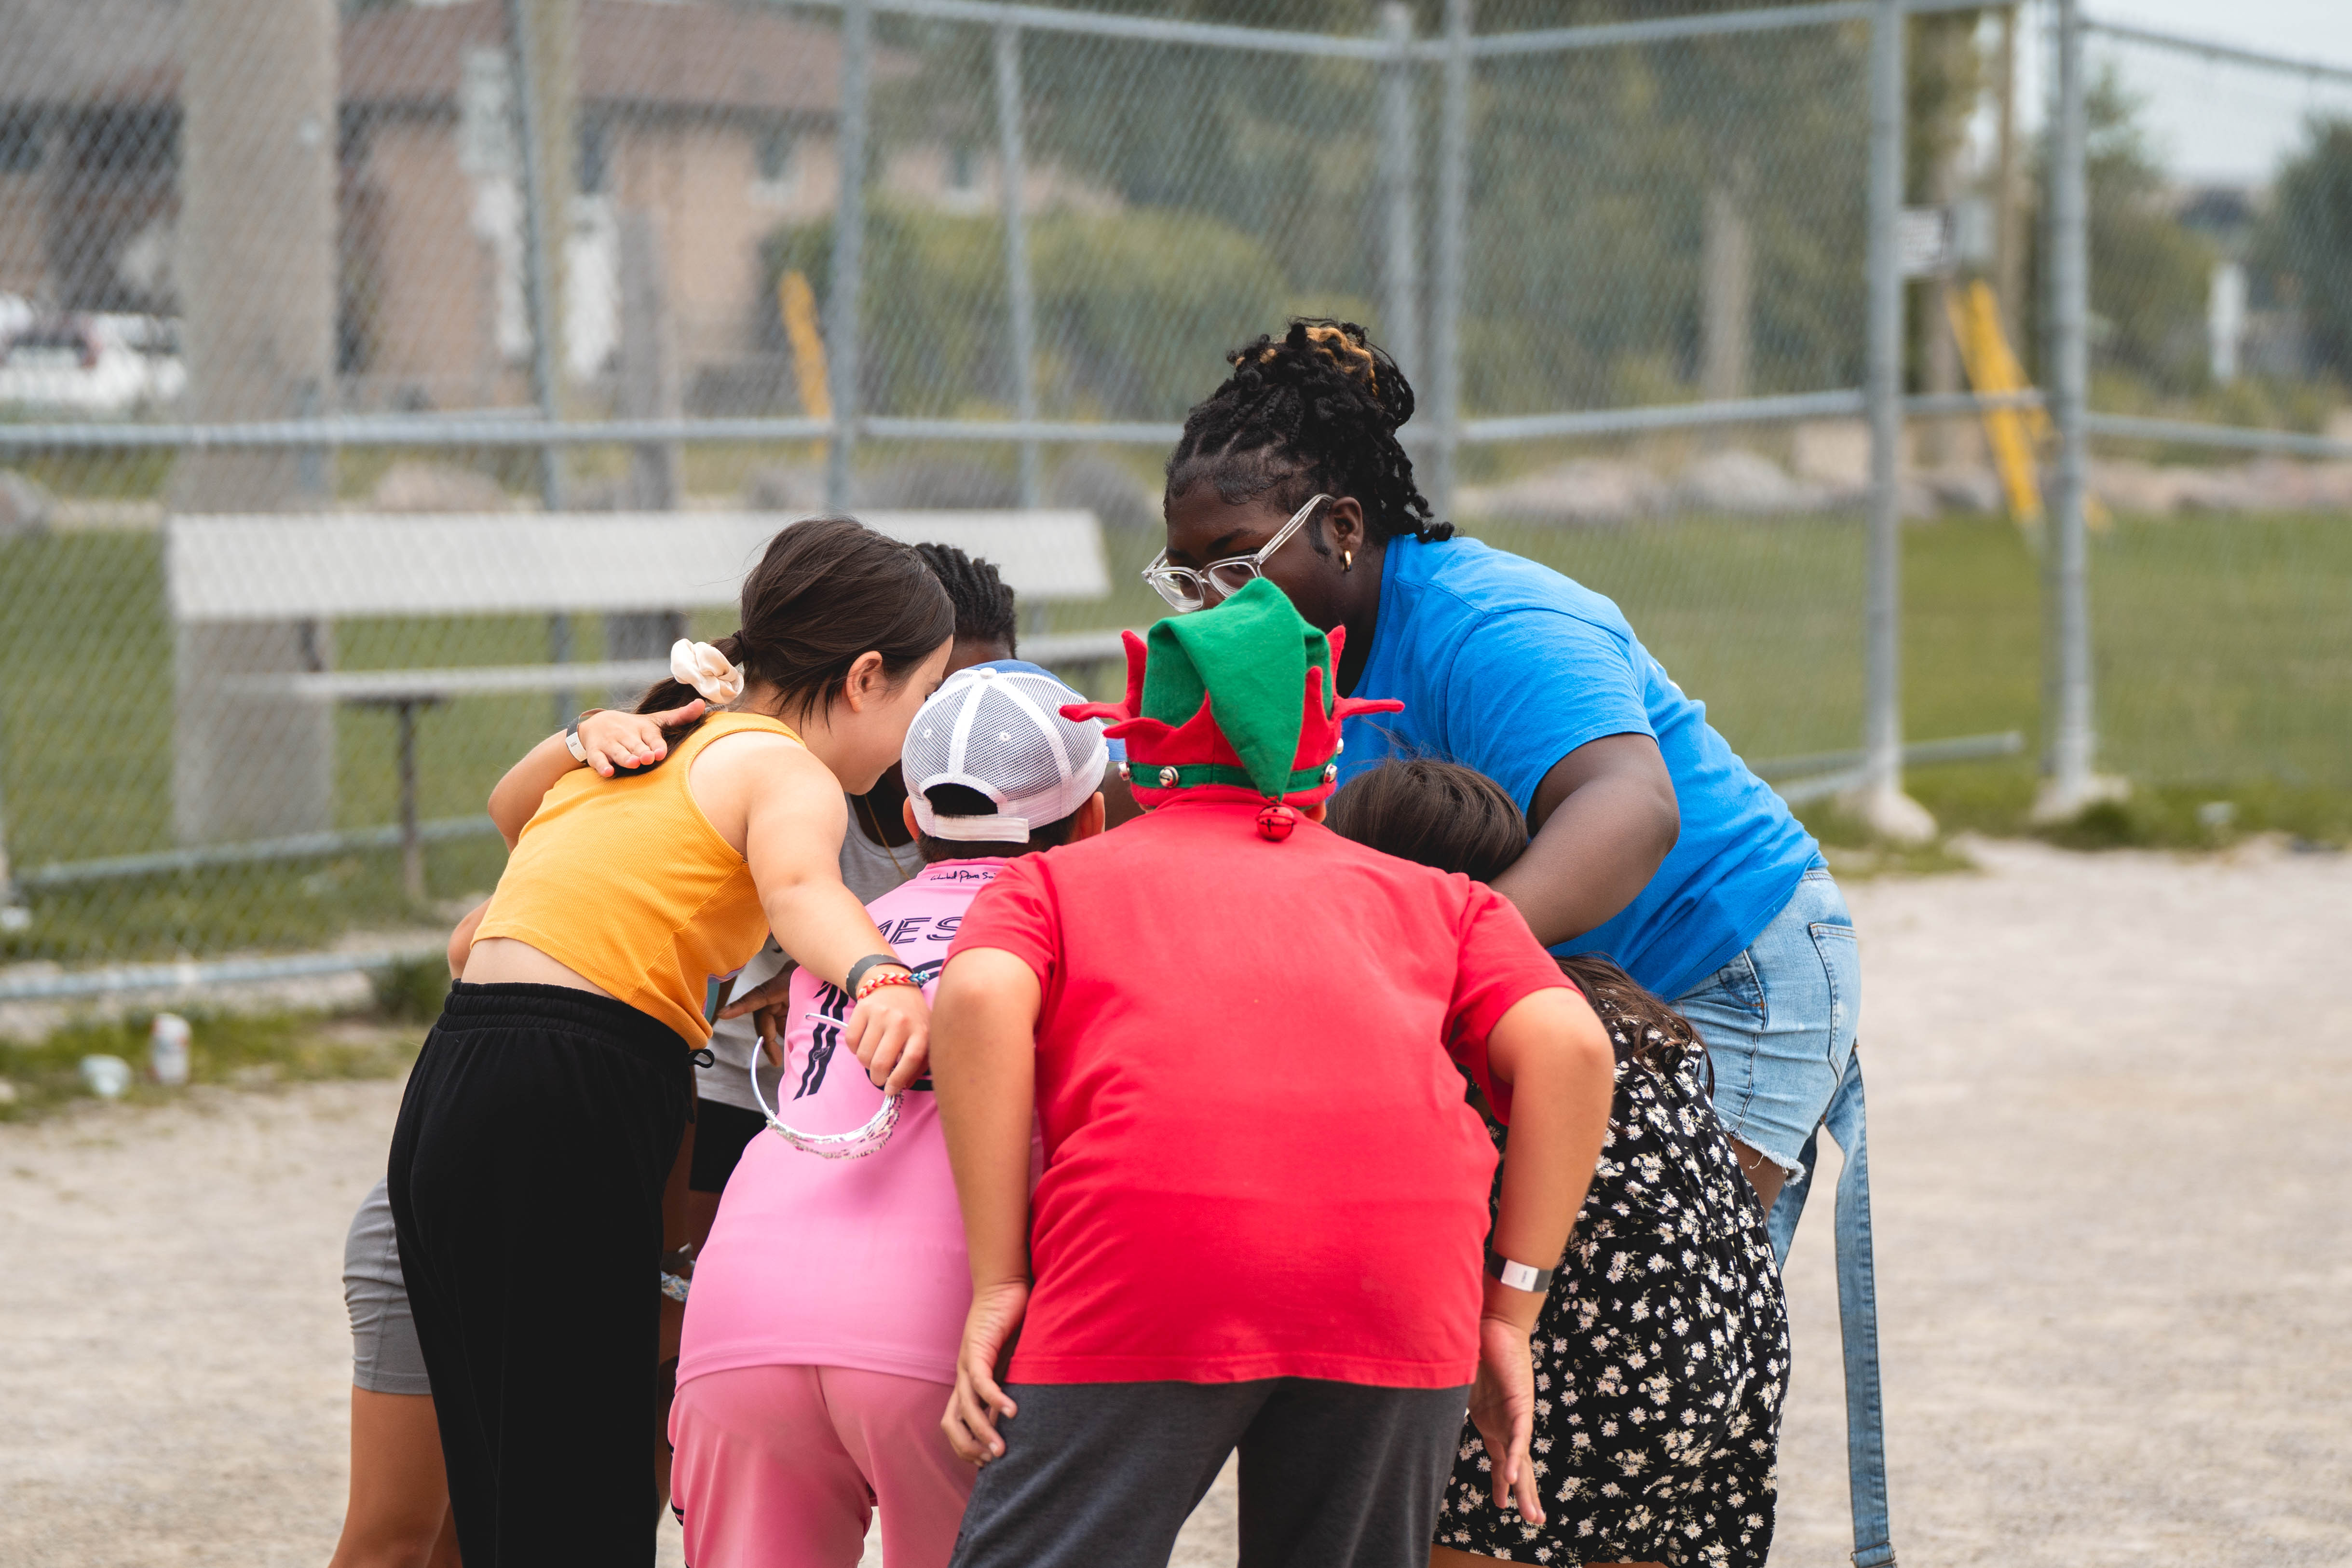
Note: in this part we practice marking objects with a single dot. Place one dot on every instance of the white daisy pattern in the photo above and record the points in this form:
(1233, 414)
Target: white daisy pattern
(1661, 1356)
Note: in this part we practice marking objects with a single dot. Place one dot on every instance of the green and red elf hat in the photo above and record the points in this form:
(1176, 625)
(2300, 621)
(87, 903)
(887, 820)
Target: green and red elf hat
(1244, 694)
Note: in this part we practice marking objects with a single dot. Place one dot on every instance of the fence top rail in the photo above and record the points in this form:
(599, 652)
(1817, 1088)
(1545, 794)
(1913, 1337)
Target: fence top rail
(1667, 29)
(2231, 54)
(291, 566)
(524, 427)
(1277, 41)
(475, 430)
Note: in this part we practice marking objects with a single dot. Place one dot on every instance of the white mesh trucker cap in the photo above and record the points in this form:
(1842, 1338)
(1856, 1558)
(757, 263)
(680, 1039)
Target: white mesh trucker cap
(1000, 731)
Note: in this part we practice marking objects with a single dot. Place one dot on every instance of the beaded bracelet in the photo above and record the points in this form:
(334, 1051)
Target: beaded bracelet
(876, 982)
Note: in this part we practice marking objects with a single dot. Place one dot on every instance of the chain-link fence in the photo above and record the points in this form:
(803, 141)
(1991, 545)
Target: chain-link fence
(381, 382)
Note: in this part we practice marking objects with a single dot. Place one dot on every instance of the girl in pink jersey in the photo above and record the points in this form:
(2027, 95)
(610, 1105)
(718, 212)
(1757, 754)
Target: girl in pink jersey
(821, 1329)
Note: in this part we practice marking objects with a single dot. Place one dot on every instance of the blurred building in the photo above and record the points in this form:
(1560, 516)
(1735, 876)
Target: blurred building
(2254, 321)
(718, 121)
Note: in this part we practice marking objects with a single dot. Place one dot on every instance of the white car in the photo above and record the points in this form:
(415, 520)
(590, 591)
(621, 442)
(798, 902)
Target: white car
(90, 364)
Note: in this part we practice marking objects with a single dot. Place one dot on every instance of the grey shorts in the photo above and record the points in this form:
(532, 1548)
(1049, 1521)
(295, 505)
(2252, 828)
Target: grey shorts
(386, 1356)
(1103, 1475)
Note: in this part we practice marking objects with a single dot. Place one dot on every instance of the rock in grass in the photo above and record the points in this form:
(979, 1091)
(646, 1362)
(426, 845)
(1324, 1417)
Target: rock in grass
(25, 506)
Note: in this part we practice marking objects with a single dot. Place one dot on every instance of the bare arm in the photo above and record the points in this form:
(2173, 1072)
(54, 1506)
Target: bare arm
(461, 939)
(984, 1064)
(785, 811)
(1552, 1051)
(1604, 818)
(609, 739)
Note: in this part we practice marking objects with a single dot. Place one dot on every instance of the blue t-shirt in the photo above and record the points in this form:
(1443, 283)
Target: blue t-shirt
(1507, 667)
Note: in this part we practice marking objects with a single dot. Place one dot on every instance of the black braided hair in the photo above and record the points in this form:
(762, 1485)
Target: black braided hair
(983, 603)
(1315, 410)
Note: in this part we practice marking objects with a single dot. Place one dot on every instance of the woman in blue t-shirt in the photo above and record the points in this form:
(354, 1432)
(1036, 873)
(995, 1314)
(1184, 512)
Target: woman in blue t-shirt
(1652, 842)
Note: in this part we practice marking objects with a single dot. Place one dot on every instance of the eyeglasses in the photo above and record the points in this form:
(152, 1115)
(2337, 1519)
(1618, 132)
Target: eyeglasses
(1187, 590)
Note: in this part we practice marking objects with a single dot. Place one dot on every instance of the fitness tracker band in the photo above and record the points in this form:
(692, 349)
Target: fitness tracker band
(1517, 1276)
(571, 735)
(857, 969)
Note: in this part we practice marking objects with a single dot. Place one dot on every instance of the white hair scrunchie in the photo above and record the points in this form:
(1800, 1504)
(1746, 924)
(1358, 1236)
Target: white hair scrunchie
(704, 667)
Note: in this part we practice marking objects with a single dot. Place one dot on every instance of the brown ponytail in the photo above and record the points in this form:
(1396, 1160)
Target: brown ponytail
(1643, 1026)
(826, 591)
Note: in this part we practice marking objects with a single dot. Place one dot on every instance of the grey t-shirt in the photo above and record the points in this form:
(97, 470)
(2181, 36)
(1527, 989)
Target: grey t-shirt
(869, 870)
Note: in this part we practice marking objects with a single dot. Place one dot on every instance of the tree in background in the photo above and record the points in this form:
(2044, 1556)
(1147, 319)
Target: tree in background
(1646, 222)
(2149, 274)
(1130, 307)
(2303, 248)
(1247, 183)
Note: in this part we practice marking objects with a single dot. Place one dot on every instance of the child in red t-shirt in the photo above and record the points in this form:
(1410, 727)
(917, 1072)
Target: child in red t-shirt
(1262, 1211)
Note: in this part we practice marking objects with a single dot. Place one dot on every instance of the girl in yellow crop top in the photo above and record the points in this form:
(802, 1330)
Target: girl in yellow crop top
(542, 1118)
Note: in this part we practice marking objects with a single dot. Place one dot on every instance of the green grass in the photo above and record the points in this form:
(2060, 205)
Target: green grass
(2222, 652)
(2223, 649)
(246, 1050)
(86, 681)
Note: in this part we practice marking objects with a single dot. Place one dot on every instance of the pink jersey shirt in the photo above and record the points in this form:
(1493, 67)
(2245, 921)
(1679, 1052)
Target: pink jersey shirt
(849, 1263)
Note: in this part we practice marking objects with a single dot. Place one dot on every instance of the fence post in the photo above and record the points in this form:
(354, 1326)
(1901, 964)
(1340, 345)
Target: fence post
(254, 273)
(1882, 803)
(1012, 174)
(1453, 220)
(648, 389)
(13, 915)
(538, 204)
(848, 245)
(1400, 266)
(2069, 784)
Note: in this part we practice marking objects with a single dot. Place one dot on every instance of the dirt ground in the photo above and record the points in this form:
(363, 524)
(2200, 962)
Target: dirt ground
(2111, 1098)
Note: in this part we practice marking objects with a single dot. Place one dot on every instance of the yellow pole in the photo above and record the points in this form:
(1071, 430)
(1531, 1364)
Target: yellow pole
(1993, 369)
(2013, 433)
(796, 304)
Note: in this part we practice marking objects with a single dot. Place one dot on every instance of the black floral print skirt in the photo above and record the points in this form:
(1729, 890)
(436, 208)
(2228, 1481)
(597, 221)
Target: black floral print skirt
(1660, 1357)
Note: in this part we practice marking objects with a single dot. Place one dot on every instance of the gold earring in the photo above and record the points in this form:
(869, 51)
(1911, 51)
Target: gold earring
(1347, 560)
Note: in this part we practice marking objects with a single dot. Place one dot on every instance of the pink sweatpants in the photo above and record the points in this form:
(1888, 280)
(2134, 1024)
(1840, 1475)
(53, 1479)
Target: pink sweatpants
(782, 1467)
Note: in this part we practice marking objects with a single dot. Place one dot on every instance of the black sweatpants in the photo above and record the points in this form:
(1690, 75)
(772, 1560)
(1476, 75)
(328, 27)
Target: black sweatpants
(539, 1129)
(1103, 1475)
(721, 1133)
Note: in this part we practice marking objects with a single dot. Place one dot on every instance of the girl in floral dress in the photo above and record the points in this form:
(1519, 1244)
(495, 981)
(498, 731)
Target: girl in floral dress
(1661, 1352)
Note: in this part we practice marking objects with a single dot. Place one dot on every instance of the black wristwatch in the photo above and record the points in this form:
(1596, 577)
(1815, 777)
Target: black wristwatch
(857, 969)
(1517, 1276)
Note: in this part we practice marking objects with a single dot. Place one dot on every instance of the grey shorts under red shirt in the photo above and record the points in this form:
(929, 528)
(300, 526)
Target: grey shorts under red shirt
(1103, 1475)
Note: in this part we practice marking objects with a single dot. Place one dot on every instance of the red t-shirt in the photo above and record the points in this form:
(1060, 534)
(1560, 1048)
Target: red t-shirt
(1258, 1163)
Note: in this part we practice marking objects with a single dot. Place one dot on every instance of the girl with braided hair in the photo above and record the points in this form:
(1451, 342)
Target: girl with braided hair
(1652, 841)
(1662, 1350)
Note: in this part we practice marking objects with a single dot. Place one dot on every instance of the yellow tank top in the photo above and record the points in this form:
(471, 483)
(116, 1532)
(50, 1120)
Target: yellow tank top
(624, 881)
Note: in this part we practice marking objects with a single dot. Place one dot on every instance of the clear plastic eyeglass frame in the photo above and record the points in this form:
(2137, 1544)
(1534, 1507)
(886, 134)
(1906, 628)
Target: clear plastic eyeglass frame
(1187, 590)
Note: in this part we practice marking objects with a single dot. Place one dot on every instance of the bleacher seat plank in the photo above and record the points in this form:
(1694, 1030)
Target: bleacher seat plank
(261, 568)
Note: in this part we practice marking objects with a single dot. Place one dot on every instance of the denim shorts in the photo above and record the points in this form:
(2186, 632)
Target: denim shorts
(1779, 1019)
